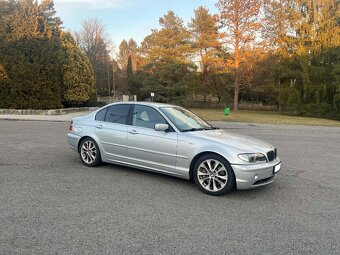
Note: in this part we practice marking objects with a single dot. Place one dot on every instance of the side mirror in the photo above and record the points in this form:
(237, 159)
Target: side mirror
(161, 127)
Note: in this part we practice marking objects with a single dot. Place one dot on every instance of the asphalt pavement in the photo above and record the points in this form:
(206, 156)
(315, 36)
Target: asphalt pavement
(52, 204)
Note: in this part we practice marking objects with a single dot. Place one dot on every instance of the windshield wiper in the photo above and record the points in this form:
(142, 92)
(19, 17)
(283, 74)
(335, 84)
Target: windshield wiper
(196, 129)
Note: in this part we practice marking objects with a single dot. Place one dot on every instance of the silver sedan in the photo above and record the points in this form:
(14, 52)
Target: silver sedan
(171, 140)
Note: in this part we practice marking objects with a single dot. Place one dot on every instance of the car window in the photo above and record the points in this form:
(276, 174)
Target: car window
(146, 117)
(100, 116)
(185, 120)
(117, 113)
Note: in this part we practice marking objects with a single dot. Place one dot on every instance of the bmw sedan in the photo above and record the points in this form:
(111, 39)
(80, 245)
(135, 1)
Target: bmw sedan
(171, 140)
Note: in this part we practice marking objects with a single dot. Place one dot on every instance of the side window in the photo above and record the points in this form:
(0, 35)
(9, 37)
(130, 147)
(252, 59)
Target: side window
(100, 116)
(146, 117)
(117, 113)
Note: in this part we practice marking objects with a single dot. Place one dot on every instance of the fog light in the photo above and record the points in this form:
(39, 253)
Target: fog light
(277, 168)
(256, 176)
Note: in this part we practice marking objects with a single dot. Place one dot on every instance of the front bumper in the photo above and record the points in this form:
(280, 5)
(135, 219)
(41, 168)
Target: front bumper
(255, 175)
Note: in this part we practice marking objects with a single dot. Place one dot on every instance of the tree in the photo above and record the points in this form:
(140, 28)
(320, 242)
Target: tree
(34, 77)
(133, 53)
(93, 39)
(168, 70)
(206, 44)
(278, 23)
(129, 74)
(40, 65)
(169, 44)
(78, 75)
(240, 20)
(127, 50)
(29, 55)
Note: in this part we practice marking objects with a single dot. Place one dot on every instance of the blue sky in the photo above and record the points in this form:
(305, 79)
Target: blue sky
(126, 19)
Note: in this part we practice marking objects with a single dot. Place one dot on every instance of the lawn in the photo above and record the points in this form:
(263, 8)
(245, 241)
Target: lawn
(268, 117)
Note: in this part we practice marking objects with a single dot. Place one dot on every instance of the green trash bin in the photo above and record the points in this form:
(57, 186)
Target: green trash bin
(226, 111)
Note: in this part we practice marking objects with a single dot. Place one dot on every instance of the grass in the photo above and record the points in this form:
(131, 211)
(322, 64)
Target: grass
(267, 117)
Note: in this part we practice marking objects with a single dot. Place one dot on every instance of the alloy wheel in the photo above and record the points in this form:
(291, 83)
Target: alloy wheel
(88, 152)
(212, 175)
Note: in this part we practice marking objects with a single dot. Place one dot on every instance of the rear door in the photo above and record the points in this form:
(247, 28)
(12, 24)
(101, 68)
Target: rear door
(147, 147)
(111, 130)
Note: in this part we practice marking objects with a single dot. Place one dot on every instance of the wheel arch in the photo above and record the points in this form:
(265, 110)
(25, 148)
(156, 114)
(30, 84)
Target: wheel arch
(82, 139)
(198, 156)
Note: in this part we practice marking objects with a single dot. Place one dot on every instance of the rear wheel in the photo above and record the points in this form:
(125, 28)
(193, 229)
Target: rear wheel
(89, 152)
(213, 175)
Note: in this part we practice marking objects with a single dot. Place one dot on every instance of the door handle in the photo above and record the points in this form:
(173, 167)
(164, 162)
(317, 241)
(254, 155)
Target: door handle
(133, 132)
(99, 126)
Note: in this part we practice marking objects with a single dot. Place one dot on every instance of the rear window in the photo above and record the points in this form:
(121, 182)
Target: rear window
(117, 113)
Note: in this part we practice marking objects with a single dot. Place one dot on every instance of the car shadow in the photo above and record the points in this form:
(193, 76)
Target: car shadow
(184, 184)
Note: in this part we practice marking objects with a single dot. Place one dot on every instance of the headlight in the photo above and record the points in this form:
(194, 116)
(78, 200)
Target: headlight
(253, 157)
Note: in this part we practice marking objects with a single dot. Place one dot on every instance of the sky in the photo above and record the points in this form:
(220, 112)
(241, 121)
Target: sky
(126, 19)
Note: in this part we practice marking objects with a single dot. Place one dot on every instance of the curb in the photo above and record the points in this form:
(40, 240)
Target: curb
(40, 120)
(45, 112)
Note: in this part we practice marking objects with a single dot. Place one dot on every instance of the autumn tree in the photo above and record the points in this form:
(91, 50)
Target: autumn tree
(240, 22)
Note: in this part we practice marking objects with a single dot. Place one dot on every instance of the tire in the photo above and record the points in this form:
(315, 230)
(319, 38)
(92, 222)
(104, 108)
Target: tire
(89, 152)
(213, 175)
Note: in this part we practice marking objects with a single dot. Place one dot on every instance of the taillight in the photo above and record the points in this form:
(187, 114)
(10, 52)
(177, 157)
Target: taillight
(71, 125)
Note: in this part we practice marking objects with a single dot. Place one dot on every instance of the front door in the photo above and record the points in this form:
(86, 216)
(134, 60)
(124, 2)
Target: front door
(146, 147)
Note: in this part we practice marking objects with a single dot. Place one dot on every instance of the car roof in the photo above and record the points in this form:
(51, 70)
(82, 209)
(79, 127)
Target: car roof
(152, 104)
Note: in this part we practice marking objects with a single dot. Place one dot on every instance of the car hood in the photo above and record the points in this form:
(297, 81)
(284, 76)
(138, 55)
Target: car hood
(242, 143)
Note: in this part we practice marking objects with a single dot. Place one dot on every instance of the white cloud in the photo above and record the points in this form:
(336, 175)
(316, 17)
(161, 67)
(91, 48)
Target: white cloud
(92, 4)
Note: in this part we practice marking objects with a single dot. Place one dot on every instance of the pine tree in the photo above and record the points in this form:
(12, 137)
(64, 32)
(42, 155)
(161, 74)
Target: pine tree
(206, 44)
(168, 71)
(240, 20)
(169, 44)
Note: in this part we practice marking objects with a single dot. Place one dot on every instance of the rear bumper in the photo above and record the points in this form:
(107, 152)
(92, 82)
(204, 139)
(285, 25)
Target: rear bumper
(252, 176)
(73, 141)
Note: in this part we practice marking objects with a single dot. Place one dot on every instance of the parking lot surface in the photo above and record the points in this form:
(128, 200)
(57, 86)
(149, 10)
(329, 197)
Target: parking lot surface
(51, 204)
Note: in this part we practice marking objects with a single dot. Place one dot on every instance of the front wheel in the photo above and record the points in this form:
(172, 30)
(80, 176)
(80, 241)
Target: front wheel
(213, 175)
(89, 152)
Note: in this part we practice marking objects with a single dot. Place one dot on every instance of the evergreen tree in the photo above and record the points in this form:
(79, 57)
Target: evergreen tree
(207, 46)
(40, 66)
(129, 75)
(169, 44)
(127, 49)
(240, 20)
(78, 75)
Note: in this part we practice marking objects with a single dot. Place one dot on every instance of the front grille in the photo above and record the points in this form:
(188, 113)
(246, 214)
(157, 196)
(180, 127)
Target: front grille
(271, 155)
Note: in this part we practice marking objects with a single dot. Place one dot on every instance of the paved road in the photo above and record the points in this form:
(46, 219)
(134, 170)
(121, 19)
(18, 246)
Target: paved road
(51, 204)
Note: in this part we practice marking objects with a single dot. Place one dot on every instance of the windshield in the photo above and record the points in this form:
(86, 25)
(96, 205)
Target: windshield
(185, 120)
